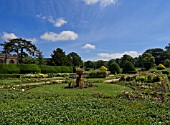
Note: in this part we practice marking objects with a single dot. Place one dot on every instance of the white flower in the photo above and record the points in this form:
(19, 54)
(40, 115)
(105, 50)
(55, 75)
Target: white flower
(23, 90)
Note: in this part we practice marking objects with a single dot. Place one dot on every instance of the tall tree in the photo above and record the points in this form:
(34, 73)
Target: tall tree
(76, 59)
(58, 58)
(21, 47)
(148, 60)
(159, 55)
(89, 64)
(126, 58)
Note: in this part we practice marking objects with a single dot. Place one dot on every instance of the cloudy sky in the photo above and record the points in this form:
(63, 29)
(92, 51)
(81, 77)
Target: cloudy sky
(94, 29)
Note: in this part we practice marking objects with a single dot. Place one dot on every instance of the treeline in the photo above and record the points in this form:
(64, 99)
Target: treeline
(29, 54)
(149, 59)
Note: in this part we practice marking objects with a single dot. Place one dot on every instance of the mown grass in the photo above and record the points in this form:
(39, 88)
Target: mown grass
(102, 88)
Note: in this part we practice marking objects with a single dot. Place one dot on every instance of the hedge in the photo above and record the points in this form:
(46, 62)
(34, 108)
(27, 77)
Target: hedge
(56, 69)
(33, 68)
(6, 76)
(28, 68)
(9, 69)
(96, 74)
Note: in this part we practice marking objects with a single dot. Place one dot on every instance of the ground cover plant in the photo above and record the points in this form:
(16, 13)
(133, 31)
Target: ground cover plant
(54, 108)
(133, 99)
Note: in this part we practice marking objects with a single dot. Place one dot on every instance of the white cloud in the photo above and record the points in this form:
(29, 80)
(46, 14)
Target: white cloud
(64, 35)
(60, 22)
(89, 46)
(57, 22)
(8, 36)
(33, 40)
(102, 2)
(108, 56)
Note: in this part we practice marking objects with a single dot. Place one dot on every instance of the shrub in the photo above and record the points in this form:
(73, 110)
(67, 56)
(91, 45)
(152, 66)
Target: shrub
(6, 76)
(96, 74)
(28, 68)
(56, 69)
(129, 68)
(160, 67)
(9, 69)
(103, 68)
(114, 68)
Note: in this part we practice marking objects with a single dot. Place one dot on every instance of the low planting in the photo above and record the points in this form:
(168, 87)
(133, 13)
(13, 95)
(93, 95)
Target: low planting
(96, 74)
(54, 108)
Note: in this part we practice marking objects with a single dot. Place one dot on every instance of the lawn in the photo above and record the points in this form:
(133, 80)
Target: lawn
(100, 105)
(102, 88)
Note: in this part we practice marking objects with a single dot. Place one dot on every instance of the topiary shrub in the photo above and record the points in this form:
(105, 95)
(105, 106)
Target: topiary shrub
(129, 68)
(160, 67)
(103, 68)
(28, 68)
(9, 69)
(114, 68)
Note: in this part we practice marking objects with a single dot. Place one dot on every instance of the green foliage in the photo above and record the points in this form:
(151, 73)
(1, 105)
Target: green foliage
(28, 68)
(58, 58)
(21, 47)
(147, 60)
(9, 69)
(160, 67)
(114, 68)
(53, 108)
(75, 59)
(89, 65)
(167, 63)
(129, 68)
(56, 69)
(29, 60)
(7, 76)
(96, 74)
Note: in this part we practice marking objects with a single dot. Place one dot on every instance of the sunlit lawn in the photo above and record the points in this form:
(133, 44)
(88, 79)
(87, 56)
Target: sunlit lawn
(102, 88)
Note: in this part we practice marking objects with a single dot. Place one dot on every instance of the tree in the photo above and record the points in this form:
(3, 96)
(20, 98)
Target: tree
(21, 47)
(39, 59)
(114, 68)
(167, 63)
(159, 54)
(29, 60)
(89, 64)
(58, 58)
(75, 59)
(100, 63)
(126, 58)
(148, 60)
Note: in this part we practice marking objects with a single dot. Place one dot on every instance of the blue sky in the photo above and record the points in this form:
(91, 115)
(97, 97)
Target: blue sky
(94, 29)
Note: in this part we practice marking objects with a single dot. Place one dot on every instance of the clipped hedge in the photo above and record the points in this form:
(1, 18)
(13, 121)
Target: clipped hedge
(56, 69)
(9, 69)
(28, 68)
(7, 76)
(96, 74)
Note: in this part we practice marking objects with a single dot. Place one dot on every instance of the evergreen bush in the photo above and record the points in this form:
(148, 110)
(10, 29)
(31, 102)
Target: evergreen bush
(114, 68)
(129, 68)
